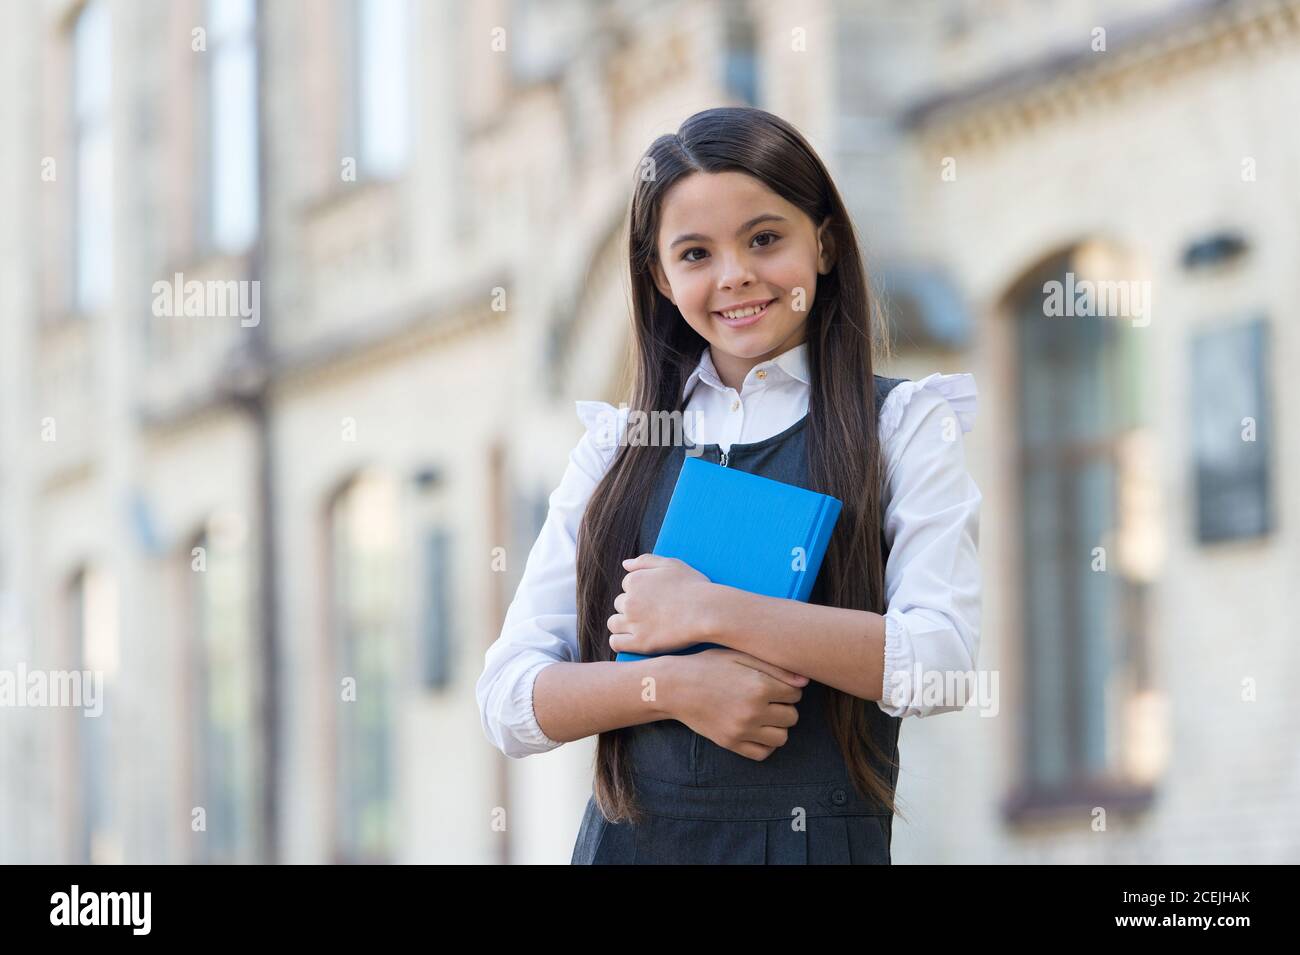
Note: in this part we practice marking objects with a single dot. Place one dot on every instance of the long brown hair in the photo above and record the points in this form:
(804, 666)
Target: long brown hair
(843, 441)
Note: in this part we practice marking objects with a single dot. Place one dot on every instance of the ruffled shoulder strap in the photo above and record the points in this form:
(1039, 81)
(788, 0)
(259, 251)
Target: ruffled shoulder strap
(958, 390)
(606, 424)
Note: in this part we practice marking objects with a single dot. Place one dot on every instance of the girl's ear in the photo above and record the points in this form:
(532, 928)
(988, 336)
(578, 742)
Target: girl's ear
(661, 281)
(825, 247)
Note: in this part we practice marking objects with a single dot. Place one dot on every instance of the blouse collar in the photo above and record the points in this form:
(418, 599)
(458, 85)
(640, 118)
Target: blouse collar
(792, 363)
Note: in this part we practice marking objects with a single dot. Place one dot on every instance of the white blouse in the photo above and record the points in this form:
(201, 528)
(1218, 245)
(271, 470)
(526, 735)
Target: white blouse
(931, 522)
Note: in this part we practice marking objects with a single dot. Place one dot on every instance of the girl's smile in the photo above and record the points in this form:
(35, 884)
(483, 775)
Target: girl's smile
(742, 316)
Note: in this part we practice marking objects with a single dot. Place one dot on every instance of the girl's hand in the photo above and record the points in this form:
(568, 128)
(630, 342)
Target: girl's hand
(738, 701)
(661, 608)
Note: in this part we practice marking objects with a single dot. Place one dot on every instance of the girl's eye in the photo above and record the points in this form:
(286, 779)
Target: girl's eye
(772, 235)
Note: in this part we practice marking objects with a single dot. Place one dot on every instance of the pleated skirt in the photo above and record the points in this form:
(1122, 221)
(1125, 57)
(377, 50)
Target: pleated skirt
(803, 824)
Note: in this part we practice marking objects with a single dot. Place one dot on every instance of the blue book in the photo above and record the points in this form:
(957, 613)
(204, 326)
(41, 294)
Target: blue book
(746, 531)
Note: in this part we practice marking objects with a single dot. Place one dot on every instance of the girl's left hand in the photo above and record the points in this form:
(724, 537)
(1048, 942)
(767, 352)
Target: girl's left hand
(661, 608)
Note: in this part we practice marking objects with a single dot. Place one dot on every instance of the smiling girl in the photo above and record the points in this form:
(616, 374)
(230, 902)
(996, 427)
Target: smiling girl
(751, 312)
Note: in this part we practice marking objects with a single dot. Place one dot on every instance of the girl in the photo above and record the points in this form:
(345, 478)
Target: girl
(751, 314)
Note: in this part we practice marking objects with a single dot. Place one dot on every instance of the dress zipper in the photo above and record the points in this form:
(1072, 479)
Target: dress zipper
(722, 457)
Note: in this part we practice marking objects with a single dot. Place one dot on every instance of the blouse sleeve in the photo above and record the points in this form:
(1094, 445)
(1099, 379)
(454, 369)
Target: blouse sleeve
(540, 625)
(931, 522)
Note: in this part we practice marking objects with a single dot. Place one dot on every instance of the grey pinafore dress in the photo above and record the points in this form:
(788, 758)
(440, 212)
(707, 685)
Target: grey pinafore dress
(705, 804)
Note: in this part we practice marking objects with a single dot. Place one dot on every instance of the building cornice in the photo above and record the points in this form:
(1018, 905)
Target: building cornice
(1140, 54)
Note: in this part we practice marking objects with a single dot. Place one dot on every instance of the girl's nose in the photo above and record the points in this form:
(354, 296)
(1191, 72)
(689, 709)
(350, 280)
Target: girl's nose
(735, 274)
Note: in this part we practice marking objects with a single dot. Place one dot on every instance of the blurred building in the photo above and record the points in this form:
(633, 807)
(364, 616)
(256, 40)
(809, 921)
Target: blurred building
(284, 523)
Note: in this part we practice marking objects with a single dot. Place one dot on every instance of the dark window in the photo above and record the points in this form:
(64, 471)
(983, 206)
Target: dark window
(437, 622)
(1231, 431)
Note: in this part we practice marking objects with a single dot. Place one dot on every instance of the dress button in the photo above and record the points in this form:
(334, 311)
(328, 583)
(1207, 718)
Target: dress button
(761, 374)
(735, 405)
(839, 797)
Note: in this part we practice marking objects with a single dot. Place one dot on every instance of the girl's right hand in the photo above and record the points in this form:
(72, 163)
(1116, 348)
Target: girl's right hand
(742, 703)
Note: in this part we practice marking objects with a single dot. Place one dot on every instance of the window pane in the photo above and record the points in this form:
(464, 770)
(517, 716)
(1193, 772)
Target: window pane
(91, 61)
(1071, 377)
(92, 606)
(1232, 464)
(94, 278)
(233, 143)
(93, 160)
(437, 610)
(1094, 510)
(230, 18)
(1044, 627)
(224, 702)
(365, 613)
(740, 57)
(382, 85)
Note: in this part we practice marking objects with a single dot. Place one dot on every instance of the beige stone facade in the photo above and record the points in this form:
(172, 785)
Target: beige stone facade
(231, 521)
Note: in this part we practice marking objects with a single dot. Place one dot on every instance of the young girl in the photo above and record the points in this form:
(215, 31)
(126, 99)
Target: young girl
(751, 315)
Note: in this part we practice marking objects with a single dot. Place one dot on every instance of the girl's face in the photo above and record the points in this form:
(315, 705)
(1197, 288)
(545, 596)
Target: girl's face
(726, 241)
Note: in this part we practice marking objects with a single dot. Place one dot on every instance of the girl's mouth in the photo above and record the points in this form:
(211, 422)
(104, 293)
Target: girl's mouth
(747, 319)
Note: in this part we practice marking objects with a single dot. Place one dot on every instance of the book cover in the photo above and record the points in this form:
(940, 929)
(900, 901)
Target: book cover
(746, 531)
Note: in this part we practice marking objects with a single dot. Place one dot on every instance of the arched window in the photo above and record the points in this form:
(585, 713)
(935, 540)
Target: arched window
(364, 633)
(1086, 533)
